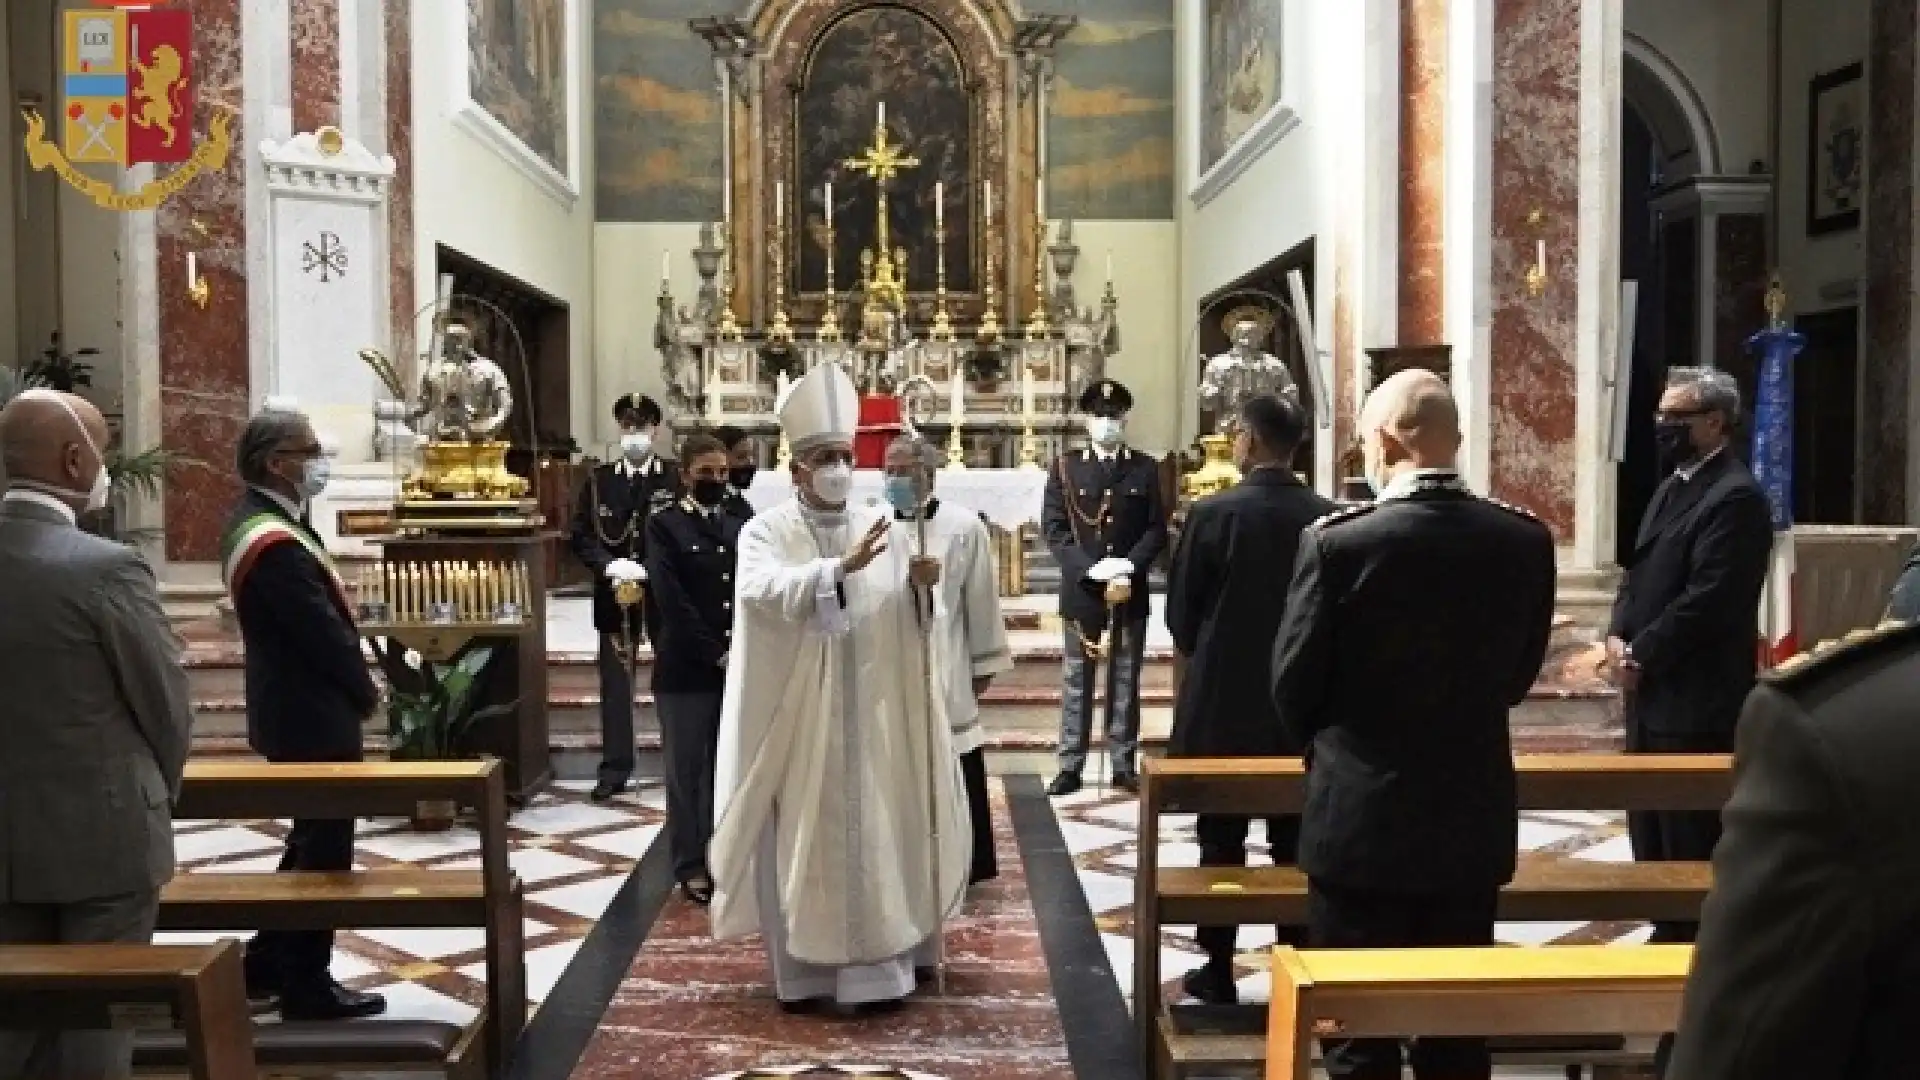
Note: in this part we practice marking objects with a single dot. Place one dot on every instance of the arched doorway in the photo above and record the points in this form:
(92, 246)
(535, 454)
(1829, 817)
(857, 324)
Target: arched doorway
(1666, 140)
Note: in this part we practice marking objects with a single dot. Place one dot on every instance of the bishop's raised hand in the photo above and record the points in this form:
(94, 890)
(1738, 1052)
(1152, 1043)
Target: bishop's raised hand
(868, 549)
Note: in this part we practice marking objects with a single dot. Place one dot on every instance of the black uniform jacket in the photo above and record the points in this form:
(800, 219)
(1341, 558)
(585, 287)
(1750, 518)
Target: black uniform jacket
(308, 685)
(610, 522)
(1412, 626)
(1096, 508)
(1690, 603)
(1808, 961)
(690, 563)
(1230, 572)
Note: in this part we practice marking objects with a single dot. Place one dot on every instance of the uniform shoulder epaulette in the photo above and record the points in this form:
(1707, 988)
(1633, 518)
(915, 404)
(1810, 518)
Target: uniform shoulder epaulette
(1344, 513)
(1835, 654)
(1512, 508)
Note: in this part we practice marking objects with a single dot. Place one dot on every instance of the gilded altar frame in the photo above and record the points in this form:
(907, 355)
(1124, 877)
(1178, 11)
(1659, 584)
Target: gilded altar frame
(1005, 128)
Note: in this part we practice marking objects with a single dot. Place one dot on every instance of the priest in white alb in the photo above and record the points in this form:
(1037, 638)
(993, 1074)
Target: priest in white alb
(842, 830)
(969, 629)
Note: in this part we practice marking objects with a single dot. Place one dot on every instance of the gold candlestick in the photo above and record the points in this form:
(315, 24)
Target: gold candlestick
(956, 454)
(942, 328)
(830, 315)
(780, 330)
(990, 302)
(729, 328)
(1037, 321)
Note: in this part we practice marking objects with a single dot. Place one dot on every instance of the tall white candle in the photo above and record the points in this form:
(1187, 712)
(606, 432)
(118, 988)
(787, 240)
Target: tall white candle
(988, 215)
(1026, 388)
(829, 198)
(193, 269)
(779, 204)
(939, 205)
(880, 118)
(1109, 266)
(1540, 255)
(666, 265)
(957, 406)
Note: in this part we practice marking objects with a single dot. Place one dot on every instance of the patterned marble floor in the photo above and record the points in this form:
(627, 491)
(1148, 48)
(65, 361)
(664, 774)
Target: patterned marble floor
(691, 1007)
(1100, 833)
(572, 856)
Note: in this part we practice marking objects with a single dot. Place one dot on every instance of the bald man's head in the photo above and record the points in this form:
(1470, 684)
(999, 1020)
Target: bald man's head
(1409, 421)
(53, 442)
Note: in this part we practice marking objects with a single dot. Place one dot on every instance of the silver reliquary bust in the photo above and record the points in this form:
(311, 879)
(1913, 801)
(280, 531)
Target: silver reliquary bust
(1243, 371)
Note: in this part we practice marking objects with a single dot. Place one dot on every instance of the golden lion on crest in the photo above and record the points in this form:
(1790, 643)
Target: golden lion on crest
(159, 82)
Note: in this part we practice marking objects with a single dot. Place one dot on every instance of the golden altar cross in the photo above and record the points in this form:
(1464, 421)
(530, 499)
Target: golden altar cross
(885, 281)
(883, 160)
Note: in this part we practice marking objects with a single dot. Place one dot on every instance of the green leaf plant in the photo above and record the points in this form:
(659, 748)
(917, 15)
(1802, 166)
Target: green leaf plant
(430, 707)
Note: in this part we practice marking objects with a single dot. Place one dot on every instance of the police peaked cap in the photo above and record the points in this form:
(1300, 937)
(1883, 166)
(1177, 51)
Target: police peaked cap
(641, 408)
(1106, 396)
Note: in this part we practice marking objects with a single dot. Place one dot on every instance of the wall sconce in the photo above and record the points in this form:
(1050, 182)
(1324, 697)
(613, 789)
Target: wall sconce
(198, 290)
(1536, 277)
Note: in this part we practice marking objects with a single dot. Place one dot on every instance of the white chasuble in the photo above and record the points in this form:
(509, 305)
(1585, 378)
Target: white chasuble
(833, 755)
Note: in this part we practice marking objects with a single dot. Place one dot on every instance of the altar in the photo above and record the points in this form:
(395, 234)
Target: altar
(912, 247)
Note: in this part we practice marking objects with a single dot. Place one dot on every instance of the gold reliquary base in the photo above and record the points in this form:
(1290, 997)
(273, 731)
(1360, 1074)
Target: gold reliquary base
(1216, 473)
(462, 470)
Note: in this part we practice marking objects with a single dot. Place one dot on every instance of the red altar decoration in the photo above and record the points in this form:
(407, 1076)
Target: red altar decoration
(879, 426)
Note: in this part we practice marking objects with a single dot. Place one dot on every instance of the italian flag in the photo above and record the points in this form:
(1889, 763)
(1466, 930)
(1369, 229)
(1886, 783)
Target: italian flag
(243, 546)
(1778, 637)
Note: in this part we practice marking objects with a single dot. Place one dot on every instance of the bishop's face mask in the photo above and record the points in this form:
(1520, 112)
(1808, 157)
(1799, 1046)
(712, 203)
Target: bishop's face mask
(832, 482)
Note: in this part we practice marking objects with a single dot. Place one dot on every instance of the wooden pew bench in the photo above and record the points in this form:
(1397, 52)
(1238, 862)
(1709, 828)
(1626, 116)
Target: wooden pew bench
(1406, 993)
(1184, 1037)
(195, 993)
(489, 898)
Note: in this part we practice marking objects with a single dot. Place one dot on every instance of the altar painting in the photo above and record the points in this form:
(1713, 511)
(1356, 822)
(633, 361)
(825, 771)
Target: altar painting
(517, 71)
(1110, 148)
(1242, 72)
(657, 124)
(899, 57)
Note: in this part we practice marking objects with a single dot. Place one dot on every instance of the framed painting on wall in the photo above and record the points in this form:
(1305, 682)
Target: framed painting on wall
(1241, 107)
(516, 90)
(1836, 150)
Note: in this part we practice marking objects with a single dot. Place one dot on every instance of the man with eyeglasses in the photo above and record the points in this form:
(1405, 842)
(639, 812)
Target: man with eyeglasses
(308, 688)
(1682, 644)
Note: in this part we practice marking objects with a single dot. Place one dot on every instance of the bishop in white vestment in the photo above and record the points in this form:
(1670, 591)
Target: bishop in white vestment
(970, 631)
(836, 767)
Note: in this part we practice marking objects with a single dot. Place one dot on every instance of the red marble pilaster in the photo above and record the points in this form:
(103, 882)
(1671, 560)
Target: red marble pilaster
(1891, 165)
(203, 353)
(1536, 156)
(399, 15)
(1423, 166)
(316, 63)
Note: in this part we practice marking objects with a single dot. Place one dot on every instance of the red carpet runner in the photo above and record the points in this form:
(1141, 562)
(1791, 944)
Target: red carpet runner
(692, 1008)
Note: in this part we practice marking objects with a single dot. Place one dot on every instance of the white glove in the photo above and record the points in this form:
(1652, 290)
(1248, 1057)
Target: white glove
(1110, 568)
(625, 570)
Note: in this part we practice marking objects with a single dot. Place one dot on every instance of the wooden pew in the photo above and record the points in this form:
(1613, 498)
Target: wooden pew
(196, 990)
(490, 898)
(1404, 993)
(1261, 787)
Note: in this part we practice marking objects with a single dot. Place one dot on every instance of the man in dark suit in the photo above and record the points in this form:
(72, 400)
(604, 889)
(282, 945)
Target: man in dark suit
(1808, 967)
(1106, 524)
(97, 723)
(308, 687)
(691, 548)
(1235, 556)
(1413, 624)
(610, 536)
(1684, 637)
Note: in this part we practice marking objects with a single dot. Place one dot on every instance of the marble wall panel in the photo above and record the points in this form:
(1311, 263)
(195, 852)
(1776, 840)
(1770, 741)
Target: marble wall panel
(399, 33)
(203, 353)
(1536, 155)
(1423, 119)
(1891, 167)
(316, 63)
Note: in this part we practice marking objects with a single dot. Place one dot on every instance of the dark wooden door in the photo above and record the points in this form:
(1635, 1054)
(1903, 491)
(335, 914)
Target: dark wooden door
(1826, 417)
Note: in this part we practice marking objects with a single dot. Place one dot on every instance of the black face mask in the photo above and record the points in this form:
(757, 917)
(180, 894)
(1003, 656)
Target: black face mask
(708, 493)
(1674, 439)
(741, 476)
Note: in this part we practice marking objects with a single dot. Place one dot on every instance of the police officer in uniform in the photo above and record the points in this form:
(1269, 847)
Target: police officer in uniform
(691, 548)
(1104, 521)
(1412, 625)
(1807, 966)
(609, 536)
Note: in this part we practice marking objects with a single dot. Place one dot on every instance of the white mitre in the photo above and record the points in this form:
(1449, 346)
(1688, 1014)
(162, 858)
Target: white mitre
(823, 407)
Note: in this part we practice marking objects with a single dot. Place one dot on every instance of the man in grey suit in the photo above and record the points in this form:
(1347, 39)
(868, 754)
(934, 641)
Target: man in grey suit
(95, 723)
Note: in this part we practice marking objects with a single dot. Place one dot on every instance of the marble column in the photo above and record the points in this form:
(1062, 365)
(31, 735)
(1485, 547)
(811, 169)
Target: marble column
(399, 119)
(1423, 165)
(204, 358)
(1536, 201)
(1885, 440)
(316, 63)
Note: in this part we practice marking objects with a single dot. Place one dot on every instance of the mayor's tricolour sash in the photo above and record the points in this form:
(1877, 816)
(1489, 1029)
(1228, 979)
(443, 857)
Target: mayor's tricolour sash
(243, 546)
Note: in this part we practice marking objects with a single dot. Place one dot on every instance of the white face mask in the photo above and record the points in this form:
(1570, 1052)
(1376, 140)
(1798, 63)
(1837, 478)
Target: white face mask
(314, 474)
(636, 445)
(1106, 430)
(833, 483)
(102, 488)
